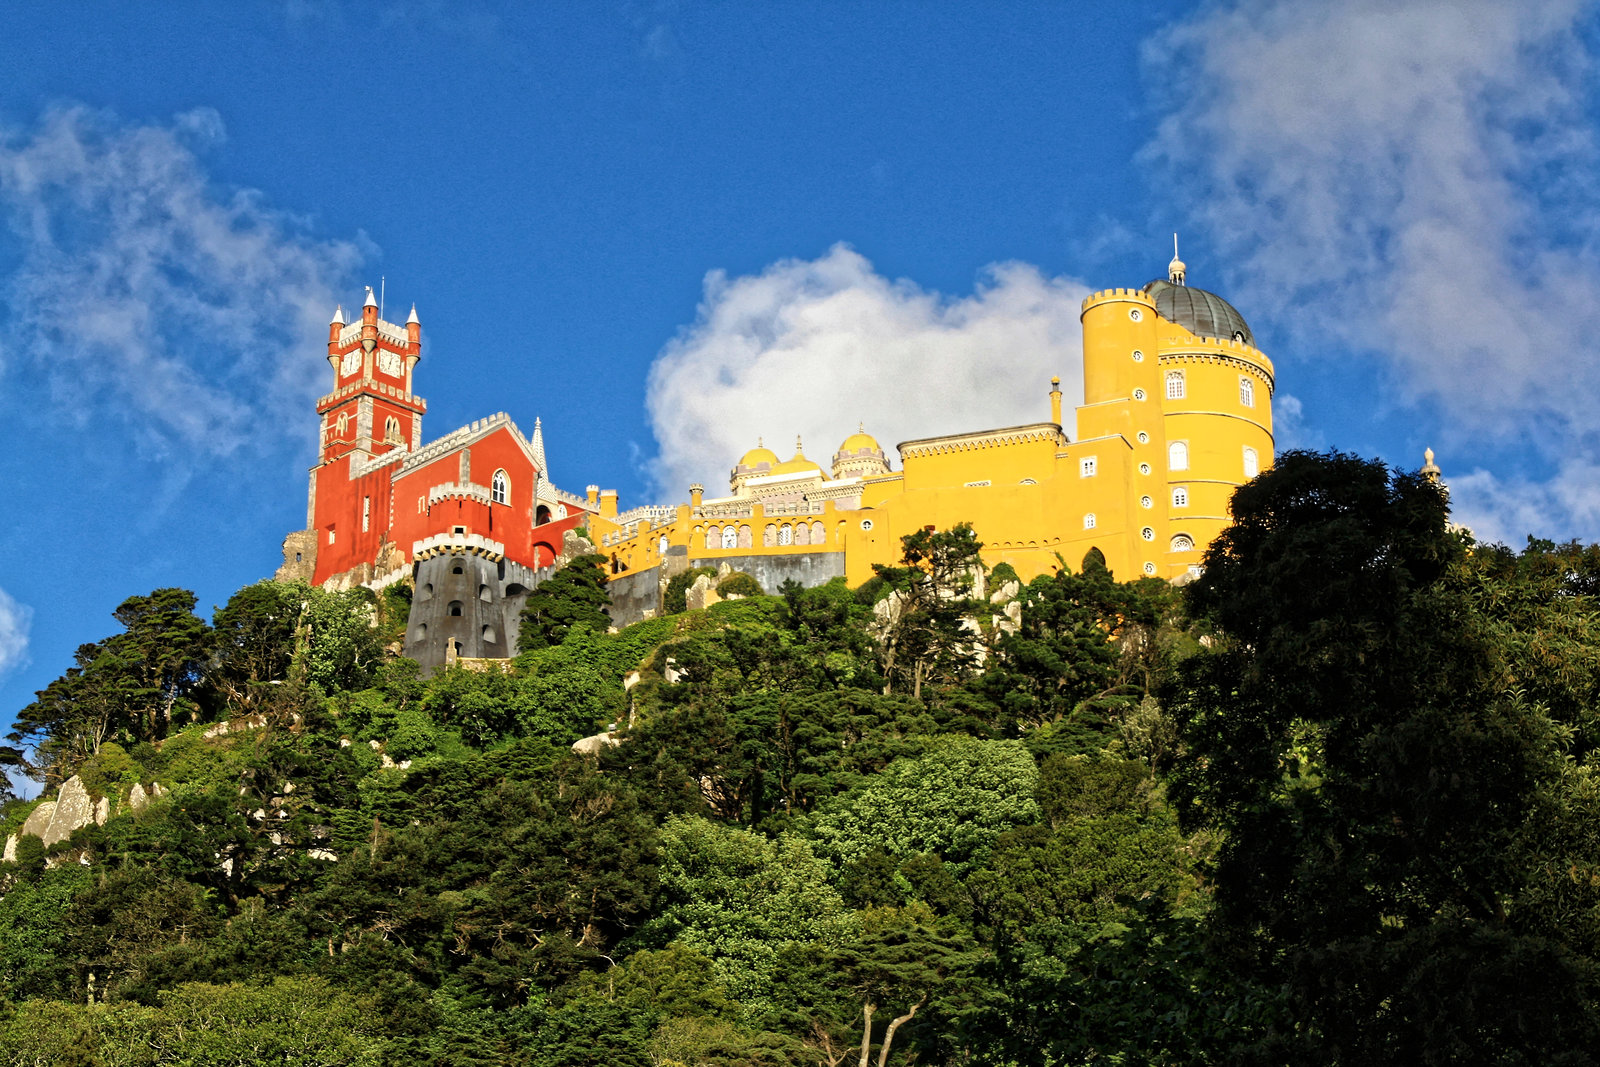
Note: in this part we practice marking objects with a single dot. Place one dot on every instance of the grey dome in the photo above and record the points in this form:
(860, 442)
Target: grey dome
(1201, 313)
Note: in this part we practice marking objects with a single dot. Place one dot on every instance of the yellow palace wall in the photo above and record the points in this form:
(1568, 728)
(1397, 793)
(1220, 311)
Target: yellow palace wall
(1026, 490)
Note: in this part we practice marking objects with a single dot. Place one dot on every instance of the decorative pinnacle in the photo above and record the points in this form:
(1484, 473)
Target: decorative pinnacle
(338, 316)
(412, 317)
(798, 447)
(1430, 469)
(1176, 269)
(372, 300)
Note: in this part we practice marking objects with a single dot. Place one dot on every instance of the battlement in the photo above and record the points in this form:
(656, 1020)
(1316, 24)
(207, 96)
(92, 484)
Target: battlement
(655, 514)
(391, 332)
(459, 491)
(370, 385)
(360, 468)
(446, 544)
(456, 438)
(1138, 296)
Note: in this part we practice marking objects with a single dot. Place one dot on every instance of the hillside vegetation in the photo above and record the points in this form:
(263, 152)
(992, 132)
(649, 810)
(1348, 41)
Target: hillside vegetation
(1334, 802)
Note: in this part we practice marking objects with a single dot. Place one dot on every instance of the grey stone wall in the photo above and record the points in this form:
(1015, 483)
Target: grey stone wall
(635, 596)
(807, 568)
(473, 602)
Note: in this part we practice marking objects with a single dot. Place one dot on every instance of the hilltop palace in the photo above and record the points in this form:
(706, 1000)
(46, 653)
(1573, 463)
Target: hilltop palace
(1176, 413)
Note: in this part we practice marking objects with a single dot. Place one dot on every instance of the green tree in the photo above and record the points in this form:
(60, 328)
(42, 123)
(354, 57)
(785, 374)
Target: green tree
(1382, 783)
(925, 635)
(575, 595)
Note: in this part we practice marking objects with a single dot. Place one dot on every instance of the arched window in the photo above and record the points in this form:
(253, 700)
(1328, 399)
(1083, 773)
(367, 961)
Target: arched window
(1180, 497)
(785, 534)
(501, 488)
(1178, 456)
(391, 429)
(802, 533)
(664, 544)
(458, 566)
(1182, 543)
(1088, 521)
(1247, 392)
(1252, 464)
(769, 536)
(344, 422)
(746, 538)
(1174, 385)
(541, 515)
(455, 607)
(713, 537)
(730, 536)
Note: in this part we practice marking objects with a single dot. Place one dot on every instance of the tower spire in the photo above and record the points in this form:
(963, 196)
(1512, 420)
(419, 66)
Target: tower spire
(536, 446)
(1176, 269)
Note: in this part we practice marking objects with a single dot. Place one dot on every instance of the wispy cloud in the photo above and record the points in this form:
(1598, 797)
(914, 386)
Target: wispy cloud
(815, 346)
(15, 621)
(147, 299)
(1410, 181)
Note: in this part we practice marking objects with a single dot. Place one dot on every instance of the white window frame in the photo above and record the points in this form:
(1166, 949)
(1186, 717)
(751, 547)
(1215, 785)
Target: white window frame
(1086, 467)
(1178, 456)
(1088, 520)
(1175, 385)
(500, 487)
(1180, 496)
(1247, 392)
(1252, 463)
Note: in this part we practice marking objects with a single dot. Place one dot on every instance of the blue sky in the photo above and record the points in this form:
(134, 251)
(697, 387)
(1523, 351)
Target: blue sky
(669, 227)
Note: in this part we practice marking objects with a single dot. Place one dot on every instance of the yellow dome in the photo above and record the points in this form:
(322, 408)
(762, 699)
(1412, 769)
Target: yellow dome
(798, 464)
(859, 440)
(759, 455)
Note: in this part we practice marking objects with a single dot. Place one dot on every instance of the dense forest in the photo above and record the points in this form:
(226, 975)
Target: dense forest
(1333, 802)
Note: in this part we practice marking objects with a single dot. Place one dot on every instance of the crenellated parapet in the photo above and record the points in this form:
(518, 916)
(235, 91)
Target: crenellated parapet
(448, 543)
(460, 491)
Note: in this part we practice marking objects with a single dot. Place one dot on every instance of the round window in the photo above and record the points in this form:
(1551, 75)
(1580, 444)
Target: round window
(866, 524)
(1144, 438)
(1135, 314)
(1144, 468)
(1149, 568)
(1148, 534)
(1145, 502)
(1138, 394)
(1138, 356)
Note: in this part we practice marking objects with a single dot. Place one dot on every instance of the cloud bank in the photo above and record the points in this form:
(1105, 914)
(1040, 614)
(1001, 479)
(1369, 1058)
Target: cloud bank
(814, 347)
(1412, 181)
(146, 300)
(15, 622)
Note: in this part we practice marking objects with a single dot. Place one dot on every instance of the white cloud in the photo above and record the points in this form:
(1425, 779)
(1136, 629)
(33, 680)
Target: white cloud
(1410, 180)
(813, 347)
(15, 621)
(148, 300)
(1565, 506)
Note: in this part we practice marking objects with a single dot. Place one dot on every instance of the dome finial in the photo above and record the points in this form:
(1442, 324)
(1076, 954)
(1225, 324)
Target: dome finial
(1430, 469)
(1175, 269)
(798, 447)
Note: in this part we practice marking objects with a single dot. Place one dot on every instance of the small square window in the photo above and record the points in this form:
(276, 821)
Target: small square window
(1086, 467)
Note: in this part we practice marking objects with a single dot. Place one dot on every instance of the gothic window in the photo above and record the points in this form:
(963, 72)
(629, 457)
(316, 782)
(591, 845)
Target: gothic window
(344, 422)
(802, 533)
(746, 539)
(1180, 497)
(1088, 521)
(391, 429)
(730, 537)
(501, 486)
(1182, 543)
(1174, 385)
(769, 536)
(817, 536)
(785, 534)
(1247, 392)
(713, 537)
(1252, 465)
(1086, 467)
(1178, 456)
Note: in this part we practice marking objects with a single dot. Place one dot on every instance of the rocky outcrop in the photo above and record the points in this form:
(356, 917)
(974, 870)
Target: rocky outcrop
(54, 821)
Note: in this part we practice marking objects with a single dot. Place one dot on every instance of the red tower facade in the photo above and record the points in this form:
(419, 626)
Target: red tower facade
(382, 504)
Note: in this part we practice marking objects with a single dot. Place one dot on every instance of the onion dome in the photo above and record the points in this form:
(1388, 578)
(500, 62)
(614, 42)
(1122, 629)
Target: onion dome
(799, 464)
(1201, 313)
(859, 440)
(758, 456)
